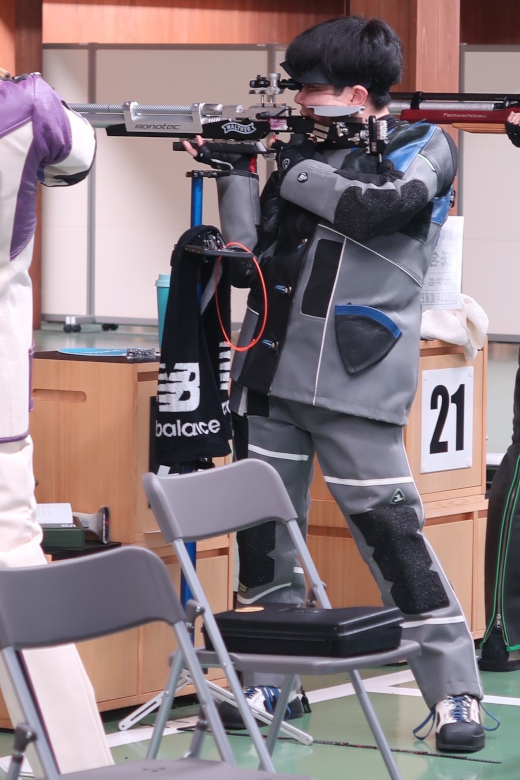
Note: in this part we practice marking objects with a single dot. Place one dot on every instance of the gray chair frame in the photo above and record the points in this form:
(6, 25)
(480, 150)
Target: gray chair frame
(204, 504)
(90, 597)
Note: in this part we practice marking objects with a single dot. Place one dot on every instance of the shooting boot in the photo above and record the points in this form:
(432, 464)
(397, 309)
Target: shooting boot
(458, 727)
(261, 696)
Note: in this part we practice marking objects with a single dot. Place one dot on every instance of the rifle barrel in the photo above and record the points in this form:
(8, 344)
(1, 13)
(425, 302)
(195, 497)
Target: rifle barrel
(397, 106)
(107, 114)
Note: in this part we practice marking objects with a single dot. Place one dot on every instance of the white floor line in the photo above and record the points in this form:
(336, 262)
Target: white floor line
(327, 694)
(385, 684)
(373, 685)
(508, 700)
(145, 732)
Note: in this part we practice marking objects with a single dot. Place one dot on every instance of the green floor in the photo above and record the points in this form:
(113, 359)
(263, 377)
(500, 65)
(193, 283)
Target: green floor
(341, 720)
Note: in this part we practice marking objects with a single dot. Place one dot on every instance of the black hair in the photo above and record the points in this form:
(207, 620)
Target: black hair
(348, 51)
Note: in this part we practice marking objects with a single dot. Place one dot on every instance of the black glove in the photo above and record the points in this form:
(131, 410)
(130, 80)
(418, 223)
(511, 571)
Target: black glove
(226, 161)
(289, 155)
(513, 131)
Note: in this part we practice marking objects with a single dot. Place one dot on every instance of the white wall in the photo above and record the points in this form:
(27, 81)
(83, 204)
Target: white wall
(490, 200)
(142, 197)
(64, 209)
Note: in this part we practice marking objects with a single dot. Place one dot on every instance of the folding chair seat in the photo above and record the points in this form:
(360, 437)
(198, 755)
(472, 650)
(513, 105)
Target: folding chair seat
(196, 506)
(91, 597)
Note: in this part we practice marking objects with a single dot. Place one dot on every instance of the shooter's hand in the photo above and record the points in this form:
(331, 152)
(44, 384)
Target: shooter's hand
(513, 127)
(289, 155)
(221, 161)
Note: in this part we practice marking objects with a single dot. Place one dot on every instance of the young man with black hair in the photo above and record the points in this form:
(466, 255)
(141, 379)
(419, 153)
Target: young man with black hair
(344, 244)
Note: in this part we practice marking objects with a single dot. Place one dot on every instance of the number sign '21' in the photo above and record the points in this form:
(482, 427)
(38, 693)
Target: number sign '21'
(447, 419)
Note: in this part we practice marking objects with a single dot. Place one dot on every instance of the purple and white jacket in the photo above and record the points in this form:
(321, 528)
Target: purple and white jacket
(40, 140)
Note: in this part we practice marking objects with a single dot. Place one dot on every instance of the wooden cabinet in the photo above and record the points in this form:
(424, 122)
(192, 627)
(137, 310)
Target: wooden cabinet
(91, 432)
(454, 502)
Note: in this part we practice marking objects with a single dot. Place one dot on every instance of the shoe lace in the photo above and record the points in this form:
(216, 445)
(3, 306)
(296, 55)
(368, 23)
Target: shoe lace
(459, 706)
(417, 729)
(488, 728)
(270, 694)
(460, 711)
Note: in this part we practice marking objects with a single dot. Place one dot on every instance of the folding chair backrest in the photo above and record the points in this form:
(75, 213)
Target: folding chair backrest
(218, 501)
(85, 598)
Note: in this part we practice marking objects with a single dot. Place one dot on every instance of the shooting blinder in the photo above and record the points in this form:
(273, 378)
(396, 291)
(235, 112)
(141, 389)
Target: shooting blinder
(316, 76)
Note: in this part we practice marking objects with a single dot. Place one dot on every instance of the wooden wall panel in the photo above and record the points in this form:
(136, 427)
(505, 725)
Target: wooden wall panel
(28, 36)
(398, 14)
(484, 24)
(7, 35)
(182, 21)
(429, 30)
(437, 38)
(28, 59)
(21, 52)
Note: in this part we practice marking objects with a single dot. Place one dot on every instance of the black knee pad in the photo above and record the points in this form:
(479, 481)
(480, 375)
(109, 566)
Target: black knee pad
(403, 558)
(254, 544)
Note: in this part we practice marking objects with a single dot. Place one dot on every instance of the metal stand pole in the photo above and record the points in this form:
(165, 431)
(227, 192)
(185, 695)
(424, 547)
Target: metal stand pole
(197, 183)
(218, 693)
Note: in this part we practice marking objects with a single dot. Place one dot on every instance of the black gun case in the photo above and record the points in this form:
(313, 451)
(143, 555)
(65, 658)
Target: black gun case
(287, 629)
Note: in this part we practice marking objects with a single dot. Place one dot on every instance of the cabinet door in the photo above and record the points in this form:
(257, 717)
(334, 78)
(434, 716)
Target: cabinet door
(112, 663)
(453, 545)
(157, 639)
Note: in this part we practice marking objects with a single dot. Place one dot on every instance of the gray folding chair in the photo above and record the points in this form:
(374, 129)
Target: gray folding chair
(209, 503)
(90, 597)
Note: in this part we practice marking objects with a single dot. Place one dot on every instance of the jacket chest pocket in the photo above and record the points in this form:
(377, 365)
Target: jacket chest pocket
(364, 336)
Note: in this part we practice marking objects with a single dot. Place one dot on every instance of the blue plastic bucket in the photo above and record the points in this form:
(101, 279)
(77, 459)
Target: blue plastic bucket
(163, 289)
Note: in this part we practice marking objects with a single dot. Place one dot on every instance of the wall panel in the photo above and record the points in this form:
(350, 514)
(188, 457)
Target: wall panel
(398, 14)
(141, 197)
(64, 209)
(482, 23)
(182, 21)
(489, 189)
(429, 31)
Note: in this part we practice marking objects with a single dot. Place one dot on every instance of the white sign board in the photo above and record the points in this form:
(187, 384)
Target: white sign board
(447, 419)
(442, 283)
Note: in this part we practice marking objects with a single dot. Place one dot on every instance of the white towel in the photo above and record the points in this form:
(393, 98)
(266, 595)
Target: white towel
(466, 326)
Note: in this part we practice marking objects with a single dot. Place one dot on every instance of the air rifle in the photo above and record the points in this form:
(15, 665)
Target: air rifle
(473, 112)
(231, 128)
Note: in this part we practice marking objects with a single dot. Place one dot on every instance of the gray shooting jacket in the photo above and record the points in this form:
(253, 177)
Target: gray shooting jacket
(344, 245)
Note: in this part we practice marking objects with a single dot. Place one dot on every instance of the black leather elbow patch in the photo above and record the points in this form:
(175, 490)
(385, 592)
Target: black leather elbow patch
(256, 566)
(375, 212)
(73, 178)
(403, 558)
